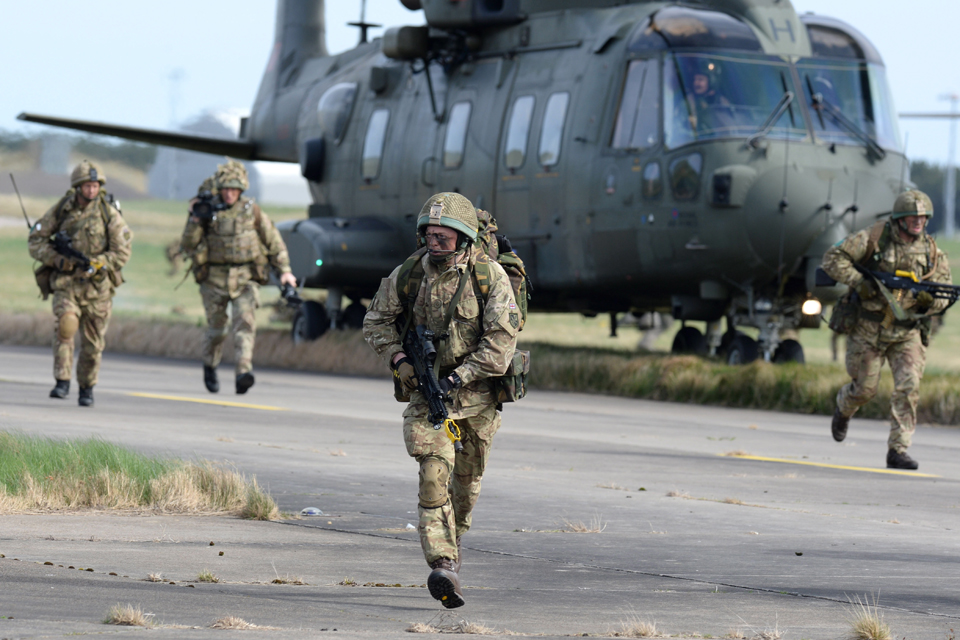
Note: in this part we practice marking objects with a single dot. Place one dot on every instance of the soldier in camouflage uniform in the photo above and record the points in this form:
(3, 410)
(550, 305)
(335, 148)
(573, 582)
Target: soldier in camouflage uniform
(82, 299)
(480, 343)
(898, 244)
(231, 253)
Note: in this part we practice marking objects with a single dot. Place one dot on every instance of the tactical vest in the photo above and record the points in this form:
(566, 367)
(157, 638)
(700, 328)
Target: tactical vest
(232, 236)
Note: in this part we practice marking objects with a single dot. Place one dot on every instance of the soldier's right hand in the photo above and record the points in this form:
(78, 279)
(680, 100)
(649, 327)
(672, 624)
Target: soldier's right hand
(867, 289)
(408, 376)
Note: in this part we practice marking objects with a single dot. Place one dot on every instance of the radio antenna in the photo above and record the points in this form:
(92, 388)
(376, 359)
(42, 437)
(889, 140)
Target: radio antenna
(22, 208)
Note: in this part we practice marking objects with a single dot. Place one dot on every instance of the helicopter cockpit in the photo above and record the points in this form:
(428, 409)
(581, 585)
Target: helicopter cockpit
(714, 82)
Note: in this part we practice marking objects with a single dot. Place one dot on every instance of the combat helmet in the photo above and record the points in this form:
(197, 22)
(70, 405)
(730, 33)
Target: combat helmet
(450, 210)
(87, 171)
(912, 203)
(232, 175)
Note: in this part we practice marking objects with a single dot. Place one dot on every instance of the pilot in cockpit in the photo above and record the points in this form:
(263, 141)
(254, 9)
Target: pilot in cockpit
(706, 103)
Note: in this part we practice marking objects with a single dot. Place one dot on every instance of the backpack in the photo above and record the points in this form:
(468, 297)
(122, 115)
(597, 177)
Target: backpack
(511, 386)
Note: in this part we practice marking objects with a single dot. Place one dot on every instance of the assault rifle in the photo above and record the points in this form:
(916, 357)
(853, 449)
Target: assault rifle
(289, 293)
(899, 280)
(63, 244)
(419, 347)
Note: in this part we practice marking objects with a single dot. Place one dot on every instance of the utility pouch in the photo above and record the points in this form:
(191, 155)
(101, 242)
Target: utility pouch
(845, 316)
(42, 276)
(512, 385)
(925, 325)
(261, 275)
(116, 277)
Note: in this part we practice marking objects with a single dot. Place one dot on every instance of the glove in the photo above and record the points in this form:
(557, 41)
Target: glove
(924, 300)
(408, 376)
(867, 289)
(450, 383)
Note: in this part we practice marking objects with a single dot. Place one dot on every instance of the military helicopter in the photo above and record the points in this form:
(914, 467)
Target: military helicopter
(696, 157)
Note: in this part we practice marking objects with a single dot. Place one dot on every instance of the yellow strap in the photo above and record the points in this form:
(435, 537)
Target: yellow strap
(453, 430)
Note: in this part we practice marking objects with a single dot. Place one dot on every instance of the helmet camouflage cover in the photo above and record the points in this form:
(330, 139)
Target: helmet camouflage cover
(912, 203)
(450, 210)
(232, 175)
(87, 171)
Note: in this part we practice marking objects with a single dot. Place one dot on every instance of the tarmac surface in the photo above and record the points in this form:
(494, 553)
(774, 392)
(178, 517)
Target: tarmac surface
(701, 543)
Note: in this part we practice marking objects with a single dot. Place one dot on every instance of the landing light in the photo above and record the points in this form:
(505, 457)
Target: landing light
(319, 263)
(811, 307)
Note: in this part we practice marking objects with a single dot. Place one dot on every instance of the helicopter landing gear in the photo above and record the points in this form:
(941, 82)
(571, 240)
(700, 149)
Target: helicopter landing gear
(689, 340)
(742, 350)
(352, 316)
(309, 323)
(789, 351)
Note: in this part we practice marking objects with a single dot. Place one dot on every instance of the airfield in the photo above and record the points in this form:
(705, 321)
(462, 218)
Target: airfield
(778, 539)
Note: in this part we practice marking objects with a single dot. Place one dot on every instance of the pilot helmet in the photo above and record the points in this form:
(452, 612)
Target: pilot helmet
(232, 175)
(912, 203)
(87, 171)
(449, 210)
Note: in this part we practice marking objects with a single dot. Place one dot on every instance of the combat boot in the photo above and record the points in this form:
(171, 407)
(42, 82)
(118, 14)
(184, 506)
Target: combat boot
(839, 425)
(444, 584)
(897, 460)
(210, 379)
(61, 390)
(86, 397)
(244, 382)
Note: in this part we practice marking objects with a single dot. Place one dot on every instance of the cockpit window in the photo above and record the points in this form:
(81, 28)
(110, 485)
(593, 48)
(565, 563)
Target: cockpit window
(685, 27)
(719, 96)
(859, 92)
(333, 109)
(639, 115)
(373, 143)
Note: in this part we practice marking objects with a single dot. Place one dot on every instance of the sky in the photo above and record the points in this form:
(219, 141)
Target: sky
(113, 60)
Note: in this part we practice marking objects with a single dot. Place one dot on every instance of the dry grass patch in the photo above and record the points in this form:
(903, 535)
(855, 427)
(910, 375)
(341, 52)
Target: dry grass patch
(736, 634)
(154, 577)
(420, 627)
(678, 494)
(634, 627)
(597, 525)
(736, 453)
(207, 576)
(288, 579)
(460, 626)
(733, 501)
(44, 474)
(614, 486)
(128, 616)
(233, 622)
(338, 453)
(866, 621)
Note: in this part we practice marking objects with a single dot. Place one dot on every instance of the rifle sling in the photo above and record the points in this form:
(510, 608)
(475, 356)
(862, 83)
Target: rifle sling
(448, 314)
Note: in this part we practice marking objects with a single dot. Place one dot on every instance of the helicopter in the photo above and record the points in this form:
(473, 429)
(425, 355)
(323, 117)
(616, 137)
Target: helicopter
(692, 157)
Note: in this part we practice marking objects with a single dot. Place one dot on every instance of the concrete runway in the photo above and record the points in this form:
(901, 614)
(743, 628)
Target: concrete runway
(749, 545)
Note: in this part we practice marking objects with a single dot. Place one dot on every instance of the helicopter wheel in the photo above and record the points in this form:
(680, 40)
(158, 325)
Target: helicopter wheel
(352, 316)
(742, 350)
(309, 323)
(789, 351)
(689, 340)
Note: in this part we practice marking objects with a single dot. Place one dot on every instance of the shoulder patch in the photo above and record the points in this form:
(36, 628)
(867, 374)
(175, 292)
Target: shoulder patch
(514, 318)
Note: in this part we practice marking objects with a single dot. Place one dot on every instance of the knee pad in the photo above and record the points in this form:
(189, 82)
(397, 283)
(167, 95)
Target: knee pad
(434, 477)
(67, 326)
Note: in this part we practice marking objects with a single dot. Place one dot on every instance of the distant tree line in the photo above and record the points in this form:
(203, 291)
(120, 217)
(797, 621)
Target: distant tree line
(133, 154)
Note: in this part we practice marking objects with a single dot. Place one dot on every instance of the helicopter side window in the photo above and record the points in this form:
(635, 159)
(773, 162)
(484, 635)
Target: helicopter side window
(685, 176)
(333, 109)
(373, 143)
(551, 133)
(456, 140)
(652, 186)
(518, 132)
(639, 114)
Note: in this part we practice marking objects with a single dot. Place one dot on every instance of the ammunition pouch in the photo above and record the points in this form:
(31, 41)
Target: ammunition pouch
(846, 314)
(116, 277)
(201, 272)
(512, 385)
(42, 276)
(926, 328)
(261, 272)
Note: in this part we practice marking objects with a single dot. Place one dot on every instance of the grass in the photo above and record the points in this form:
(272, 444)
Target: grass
(128, 616)
(207, 576)
(40, 474)
(233, 622)
(154, 577)
(635, 627)
(597, 525)
(866, 621)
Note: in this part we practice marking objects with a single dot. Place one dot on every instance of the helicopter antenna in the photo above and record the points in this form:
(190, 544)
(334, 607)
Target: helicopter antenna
(903, 165)
(363, 25)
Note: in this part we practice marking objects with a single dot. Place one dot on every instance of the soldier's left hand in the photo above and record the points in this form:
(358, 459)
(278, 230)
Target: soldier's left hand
(64, 263)
(924, 300)
(450, 383)
(288, 278)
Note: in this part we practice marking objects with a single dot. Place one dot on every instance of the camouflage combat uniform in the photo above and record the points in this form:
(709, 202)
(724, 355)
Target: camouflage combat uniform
(231, 254)
(481, 343)
(877, 336)
(80, 300)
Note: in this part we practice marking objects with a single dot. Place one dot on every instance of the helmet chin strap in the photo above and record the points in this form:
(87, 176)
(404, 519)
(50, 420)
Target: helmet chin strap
(903, 227)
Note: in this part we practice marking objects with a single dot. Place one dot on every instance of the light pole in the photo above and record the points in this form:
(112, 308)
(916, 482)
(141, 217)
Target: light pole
(950, 183)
